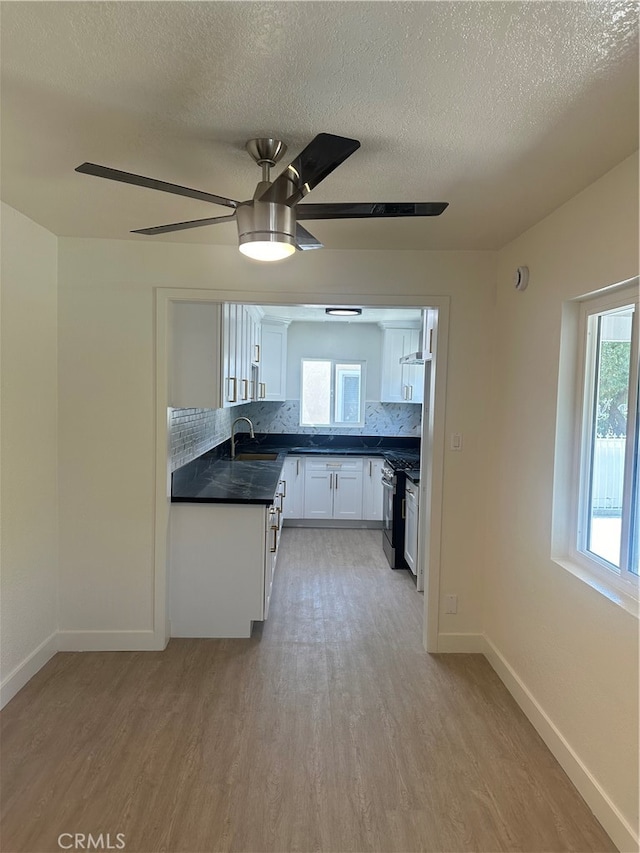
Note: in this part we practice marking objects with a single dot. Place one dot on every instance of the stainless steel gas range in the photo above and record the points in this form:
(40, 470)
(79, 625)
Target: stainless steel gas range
(394, 476)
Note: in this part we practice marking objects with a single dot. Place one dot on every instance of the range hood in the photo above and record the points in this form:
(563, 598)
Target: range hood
(425, 342)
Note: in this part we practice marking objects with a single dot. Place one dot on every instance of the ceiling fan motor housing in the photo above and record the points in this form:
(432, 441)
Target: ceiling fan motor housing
(266, 221)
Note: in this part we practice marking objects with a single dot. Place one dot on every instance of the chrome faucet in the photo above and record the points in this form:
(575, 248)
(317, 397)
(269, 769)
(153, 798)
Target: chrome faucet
(233, 434)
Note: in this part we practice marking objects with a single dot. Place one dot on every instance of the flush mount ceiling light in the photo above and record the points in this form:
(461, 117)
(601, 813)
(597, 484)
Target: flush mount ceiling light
(343, 312)
(269, 223)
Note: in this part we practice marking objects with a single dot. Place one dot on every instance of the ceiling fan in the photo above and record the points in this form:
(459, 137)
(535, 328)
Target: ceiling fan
(269, 224)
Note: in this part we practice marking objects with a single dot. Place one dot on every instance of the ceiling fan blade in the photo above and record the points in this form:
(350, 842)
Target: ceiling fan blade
(321, 156)
(370, 210)
(183, 226)
(306, 240)
(152, 184)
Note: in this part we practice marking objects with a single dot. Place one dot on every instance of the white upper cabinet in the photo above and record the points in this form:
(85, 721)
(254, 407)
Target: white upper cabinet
(241, 354)
(215, 355)
(273, 366)
(197, 359)
(401, 383)
(256, 336)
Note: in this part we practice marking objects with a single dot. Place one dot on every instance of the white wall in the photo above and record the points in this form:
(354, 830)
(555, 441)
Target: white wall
(574, 651)
(564, 649)
(360, 341)
(106, 375)
(28, 492)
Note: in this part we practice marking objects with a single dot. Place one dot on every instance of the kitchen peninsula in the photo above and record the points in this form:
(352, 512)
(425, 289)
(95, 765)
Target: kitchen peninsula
(227, 517)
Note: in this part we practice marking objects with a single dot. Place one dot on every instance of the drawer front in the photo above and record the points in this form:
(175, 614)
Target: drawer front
(334, 463)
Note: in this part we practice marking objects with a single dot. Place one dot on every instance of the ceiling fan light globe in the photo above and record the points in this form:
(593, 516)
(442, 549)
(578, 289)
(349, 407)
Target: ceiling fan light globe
(266, 230)
(267, 250)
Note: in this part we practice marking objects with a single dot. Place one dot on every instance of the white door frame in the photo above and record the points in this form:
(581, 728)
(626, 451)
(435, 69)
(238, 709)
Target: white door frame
(432, 440)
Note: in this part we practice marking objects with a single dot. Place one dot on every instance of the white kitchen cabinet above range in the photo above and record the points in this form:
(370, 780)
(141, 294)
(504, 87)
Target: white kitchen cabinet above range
(401, 383)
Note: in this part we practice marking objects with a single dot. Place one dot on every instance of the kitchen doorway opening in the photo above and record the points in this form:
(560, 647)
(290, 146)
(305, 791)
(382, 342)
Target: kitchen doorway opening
(427, 491)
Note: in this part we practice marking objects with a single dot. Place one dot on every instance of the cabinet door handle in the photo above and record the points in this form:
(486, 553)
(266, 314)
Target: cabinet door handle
(297, 467)
(253, 388)
(284, 488)
(330, 481)
(263, 390)
(410, 387)
(370, 467)
(245, 389)
(232, 397)
(274, 544)
(431, 341)
(336, 481)
(256, 353)
(404, 508)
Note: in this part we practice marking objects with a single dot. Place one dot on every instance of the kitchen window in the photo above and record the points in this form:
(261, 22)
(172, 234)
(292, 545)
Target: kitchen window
(607, 515)
(332, 392)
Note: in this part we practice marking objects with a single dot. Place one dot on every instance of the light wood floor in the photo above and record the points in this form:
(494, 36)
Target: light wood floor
(330, 730)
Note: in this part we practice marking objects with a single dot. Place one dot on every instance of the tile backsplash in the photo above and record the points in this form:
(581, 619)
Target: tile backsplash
(380, 419)
(194, 431)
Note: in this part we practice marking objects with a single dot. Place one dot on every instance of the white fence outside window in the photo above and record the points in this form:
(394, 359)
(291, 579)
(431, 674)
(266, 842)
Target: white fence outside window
(608, 476)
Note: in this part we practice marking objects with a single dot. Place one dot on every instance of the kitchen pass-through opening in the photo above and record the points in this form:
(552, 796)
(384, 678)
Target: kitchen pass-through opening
(365, 413)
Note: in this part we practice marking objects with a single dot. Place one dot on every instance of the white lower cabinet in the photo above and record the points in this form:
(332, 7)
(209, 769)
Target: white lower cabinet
(411, 526)
(272, 542)
(293, 477)
(333, 488)
(372, 491)
(223, 559)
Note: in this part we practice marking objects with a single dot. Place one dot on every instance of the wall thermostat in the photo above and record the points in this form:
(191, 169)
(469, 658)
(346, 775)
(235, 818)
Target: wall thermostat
(521, 278)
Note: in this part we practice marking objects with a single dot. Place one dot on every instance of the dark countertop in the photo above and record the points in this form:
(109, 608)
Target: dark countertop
(215, 478)
(210, 479)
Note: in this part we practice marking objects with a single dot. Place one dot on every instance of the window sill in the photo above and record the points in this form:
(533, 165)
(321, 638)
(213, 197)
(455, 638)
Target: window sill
(618, 591)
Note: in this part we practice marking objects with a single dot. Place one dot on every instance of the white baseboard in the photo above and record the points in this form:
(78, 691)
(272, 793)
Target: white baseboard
(17, 679)
(615, 824)
(110, 641)
(468, 643)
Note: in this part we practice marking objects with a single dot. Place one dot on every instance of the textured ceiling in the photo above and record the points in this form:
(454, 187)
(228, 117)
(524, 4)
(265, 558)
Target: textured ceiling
(506, 110)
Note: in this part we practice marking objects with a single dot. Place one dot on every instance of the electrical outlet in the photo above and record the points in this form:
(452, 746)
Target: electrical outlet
(451, 604)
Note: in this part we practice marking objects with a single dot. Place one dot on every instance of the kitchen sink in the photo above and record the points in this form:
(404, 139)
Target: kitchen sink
(256, 457)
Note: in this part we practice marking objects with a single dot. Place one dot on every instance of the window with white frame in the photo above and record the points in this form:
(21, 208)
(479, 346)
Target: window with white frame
(332, 392)
(608, 507)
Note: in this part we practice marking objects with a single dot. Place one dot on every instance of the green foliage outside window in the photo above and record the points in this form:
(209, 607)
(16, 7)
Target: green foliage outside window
(613, 389)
